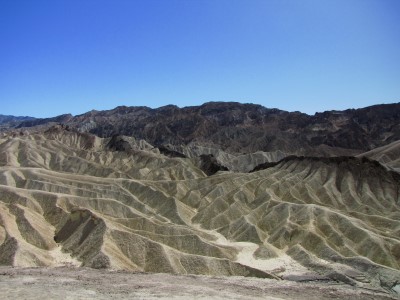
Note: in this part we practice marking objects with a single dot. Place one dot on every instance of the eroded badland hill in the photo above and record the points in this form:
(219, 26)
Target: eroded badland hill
(222, 189)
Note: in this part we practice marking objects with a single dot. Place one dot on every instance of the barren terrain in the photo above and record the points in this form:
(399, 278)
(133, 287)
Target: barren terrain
(265, 219)
(85, 283)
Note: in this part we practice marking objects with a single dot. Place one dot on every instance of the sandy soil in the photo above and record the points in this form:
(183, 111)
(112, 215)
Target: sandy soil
(84, 283)
(283, 265)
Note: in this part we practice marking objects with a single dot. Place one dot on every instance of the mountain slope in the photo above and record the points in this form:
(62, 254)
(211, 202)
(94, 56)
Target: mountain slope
(246, 128)
(389, 155)
(7, 122)
(119, 203)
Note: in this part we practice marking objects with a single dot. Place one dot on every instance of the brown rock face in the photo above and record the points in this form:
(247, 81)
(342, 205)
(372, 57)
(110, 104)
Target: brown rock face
(238, 128)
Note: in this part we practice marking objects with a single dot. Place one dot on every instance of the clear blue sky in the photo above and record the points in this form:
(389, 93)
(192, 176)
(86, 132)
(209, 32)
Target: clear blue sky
(72, 56)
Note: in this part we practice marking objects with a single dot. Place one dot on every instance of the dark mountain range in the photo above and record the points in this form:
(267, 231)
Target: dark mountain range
(7, 119)
(12, 121)
(35, 122)
(245, 128)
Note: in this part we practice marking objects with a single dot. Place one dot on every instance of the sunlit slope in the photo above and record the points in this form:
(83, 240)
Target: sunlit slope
(76, 153)
(140, 210)
(47, 199)
(389, 155)
(327, 208)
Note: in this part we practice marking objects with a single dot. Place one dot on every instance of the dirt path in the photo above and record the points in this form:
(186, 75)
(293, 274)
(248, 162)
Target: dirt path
(83, 283)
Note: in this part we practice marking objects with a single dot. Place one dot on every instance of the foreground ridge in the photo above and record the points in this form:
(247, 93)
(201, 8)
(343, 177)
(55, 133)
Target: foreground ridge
(44, 283)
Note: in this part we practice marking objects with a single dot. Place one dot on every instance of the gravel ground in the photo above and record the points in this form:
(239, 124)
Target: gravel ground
(84, 283)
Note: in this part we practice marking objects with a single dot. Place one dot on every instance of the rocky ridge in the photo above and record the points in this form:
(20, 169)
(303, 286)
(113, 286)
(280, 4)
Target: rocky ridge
(245, 128)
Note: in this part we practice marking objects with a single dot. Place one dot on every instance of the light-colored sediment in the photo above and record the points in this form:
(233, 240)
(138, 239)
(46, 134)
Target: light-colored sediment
(84, 283)
(389, 155)
(61, 258)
